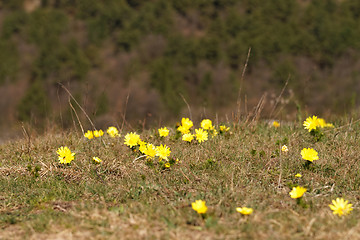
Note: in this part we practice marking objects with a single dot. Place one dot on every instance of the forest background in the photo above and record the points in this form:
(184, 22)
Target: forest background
(144, 61)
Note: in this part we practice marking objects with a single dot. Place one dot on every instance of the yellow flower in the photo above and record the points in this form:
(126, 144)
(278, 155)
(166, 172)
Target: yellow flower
(341, 207)
(207, 124)
(112, 131)
(141, 142)
(89, 134)
(132, 139)
(309, 154)
(150, 151)
(276, 124)
(311, 123)
(163, 152)
(188, 137)
(223, 128)
(142, 146)
(214, 133)
(167, 165)
(163, 132)
(284, 148)
(245, 210)
(97, 160)
(65, 155)
(201, 135)
(297, 192)
(186, 123)
(183, 129)
(298, 175)
(98, 133)
(199, 206)
(321, 122)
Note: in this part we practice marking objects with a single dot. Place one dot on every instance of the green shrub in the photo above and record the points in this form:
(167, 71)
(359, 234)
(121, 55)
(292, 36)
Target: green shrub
(102, 104)
(46, 25)
(154, 17)
(182, 50)
(12, 4)
(9, 61)
(127, 39)
(34, 106)
(13, 23)
(169, 84)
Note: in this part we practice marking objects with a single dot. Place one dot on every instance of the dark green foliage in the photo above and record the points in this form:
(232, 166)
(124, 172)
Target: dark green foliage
(210, 49)
(154, 18)
(127, 39)
(12, 4)
(34, 106)
(76, 61)
(283, 72)
(105, 18)
(8, 61)
(102, 104)
(168, 82)
(67, 62)
(45, 26)
(204, 86)
(182, 50)
(13, 23)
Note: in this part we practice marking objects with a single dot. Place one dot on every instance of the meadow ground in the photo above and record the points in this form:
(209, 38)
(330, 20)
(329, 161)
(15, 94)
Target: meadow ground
(127, 197)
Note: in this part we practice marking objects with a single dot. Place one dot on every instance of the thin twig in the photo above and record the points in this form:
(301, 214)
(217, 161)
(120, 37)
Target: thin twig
(241, 83)
(124, 115)
(186, 105)
(279, 97)
(28, 137)
(139, 157)
(259, 108)
(185, 176)
(72, 97)
(58, 97)
(77, 117)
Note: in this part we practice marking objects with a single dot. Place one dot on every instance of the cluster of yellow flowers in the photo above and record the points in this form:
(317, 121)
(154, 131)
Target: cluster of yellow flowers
(112, 131)
(133, 140)
(312, 123)
(201, 134)
(200, 207)
(340, 206)
(65, 156)
(91, 134)
(162, 152)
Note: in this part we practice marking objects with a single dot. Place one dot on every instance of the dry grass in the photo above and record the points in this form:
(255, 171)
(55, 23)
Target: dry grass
(126, 199)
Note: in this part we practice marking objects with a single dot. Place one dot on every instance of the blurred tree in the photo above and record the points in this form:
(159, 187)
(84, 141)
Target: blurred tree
(169, 84)
(9, 61)
(13, 24)
(102, 104)
(34, 106)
